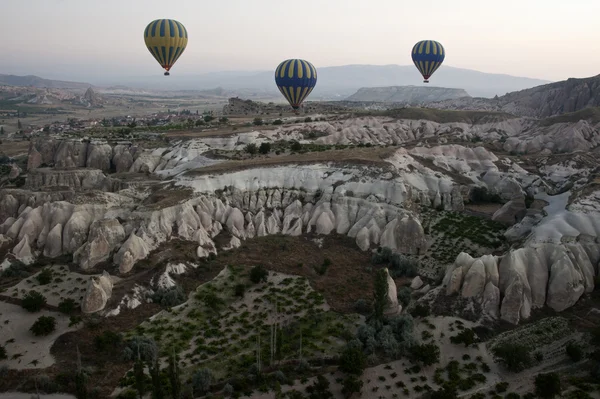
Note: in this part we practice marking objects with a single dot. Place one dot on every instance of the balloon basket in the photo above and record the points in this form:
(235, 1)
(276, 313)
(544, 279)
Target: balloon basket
(425, 81)
(167, 74)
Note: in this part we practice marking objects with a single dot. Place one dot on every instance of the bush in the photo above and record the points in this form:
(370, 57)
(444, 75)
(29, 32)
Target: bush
(427, 354)
(108, 339)
(128, 394)
(33, 301)
(258, 121)
(240, 290)
(208, 118)
(404, 296)
(363, 306)
(202, 381)
(319, 389)
(574, 351)
(3, 355)
(351, 385)
(501, 387)
(44, 277)
(515, 357)
(420, 310)
(258, 274)
(67, 306)
(223, 119)
(466, 336)
(169, 297)
(264, 148)
(146, 346)
(547, 385)
(251, 149)
(278, 122)
(353, 360)
(308, 119)
(43, 326)
(295, 146)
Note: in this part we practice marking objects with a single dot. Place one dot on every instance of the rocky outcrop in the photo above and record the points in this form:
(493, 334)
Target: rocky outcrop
(527, 278)
(392, 307)
(104, 236)
(511, 212)
(134, 249)
(409, 95)
(74, 178)
(97, 294)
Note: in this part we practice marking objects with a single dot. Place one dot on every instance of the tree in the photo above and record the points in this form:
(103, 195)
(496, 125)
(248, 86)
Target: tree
(278, 122)
(44, 277)
(140, 377)
(251, 148)
(381, 293)
(199, 122)
(1, 129)
(44, 325)
(353, 360)
(202, 381)
(427, 354)
(320, 389)
(223, 119)
(547, 386)
(19, 125)
(258, 121)
(264, 148)
(514, 356)
(3, 355)
(174, 376)
(350, 386)
(157, 388)
(296, 146)
(33, 301)
(67, 306)
(258, 274)
(208, 118)
(81, 391)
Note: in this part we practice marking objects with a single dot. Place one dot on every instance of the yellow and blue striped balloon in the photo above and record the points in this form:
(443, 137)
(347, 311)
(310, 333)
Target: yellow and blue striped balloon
(295, 79)
(166, 40)
(428, 55)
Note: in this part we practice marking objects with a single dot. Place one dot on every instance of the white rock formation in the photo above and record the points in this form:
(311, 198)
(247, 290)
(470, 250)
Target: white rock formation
(97, 294)
(392, 307)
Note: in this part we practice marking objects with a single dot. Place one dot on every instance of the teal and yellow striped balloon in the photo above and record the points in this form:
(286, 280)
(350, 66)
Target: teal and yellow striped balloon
(295, 79)
(166, 40)
(428, 56)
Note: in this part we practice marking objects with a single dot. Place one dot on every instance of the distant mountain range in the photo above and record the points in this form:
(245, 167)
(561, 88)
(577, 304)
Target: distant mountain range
(36, 81)
(409, 95)
(340, 82)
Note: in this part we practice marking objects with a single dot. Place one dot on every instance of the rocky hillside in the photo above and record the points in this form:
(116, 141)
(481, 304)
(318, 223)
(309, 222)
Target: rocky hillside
(539, 102)
(36, 81)
(409, 95)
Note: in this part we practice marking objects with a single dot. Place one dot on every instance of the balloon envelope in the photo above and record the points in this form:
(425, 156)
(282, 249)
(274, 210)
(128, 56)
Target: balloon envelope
(295, 79)
(428, 55)
(166, 40)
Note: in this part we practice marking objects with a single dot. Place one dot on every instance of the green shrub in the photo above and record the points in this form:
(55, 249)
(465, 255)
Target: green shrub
(420, 310)
(353, 360)
(251, 148)
(404, 296)
(258, 274)
(201, 381)
(3, 355)
(43, 326)
(169, 297)
(514, 356)
(265, 148)
(44, 277)
(67, 306)
(107, 340)
(547, 386)
(240, 290)
(33, 301)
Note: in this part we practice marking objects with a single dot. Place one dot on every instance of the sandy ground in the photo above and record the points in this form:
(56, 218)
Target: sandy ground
(24, 350)
(65, 284)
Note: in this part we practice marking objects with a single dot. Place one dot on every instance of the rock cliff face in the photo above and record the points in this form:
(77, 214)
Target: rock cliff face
(409, 95)
(557, 265)
(540, 102)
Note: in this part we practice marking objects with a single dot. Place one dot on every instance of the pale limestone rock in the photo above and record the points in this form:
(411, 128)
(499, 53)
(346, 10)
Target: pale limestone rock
(23, 252)
(97, 294)
(416, 283)
(53, 244)
(392, 307)
(131, 251)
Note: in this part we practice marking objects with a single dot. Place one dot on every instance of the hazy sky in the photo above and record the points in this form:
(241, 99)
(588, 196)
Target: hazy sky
(102, 39)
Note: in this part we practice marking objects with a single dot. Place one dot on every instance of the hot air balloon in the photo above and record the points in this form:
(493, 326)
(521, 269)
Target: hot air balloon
(428, 55)
(166, 40)
(295, 79)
